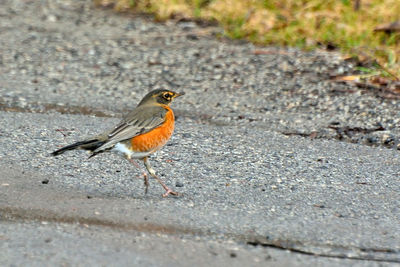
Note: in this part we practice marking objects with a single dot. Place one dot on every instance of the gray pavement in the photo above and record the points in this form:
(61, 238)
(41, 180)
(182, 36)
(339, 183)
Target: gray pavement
(253, 191)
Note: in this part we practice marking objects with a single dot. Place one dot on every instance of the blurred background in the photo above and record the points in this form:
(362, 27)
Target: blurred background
(368, 30)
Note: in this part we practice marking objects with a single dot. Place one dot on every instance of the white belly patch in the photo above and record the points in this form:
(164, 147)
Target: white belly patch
(123, 149)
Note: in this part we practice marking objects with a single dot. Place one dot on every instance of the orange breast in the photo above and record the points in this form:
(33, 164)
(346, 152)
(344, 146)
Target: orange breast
(156, 138)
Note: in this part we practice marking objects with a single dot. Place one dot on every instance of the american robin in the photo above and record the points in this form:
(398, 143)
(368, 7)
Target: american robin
(142, 132)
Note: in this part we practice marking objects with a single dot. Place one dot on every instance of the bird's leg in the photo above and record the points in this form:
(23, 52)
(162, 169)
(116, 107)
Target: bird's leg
(153, 173)
(146, 177)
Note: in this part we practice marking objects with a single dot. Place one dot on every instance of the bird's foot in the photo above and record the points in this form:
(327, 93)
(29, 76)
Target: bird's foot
(146, 183)
(169, 192)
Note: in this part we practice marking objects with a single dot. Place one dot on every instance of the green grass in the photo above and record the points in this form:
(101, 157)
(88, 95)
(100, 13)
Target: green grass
(301, 23)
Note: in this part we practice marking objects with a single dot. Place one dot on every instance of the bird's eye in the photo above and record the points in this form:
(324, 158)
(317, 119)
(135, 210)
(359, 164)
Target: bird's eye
(168, 96)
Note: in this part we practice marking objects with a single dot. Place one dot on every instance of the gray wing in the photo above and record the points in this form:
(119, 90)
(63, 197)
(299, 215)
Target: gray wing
(141, 120)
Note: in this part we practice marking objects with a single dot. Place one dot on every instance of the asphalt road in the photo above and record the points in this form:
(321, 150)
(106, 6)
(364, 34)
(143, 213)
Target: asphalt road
(254, 191)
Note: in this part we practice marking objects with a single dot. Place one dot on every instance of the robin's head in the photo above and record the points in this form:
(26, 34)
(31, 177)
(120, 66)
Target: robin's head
(160, 96)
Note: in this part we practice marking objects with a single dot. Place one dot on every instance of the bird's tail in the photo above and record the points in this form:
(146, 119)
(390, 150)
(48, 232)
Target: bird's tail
(87, 145)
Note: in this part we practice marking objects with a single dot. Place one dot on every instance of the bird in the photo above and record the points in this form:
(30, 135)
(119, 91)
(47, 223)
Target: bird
(143, 131)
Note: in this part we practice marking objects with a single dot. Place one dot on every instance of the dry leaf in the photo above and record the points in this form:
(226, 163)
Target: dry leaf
(347, 78)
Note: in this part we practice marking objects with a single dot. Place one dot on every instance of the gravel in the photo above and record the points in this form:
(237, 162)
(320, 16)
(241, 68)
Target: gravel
(321, 196)
(72, 57)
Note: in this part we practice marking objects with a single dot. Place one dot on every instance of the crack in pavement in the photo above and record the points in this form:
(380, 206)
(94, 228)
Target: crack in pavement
(285, 245)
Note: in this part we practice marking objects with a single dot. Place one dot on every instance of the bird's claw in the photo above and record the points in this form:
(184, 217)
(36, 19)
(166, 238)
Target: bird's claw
(170, 192)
